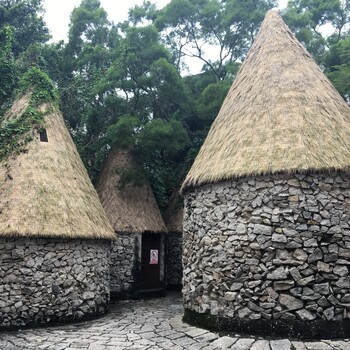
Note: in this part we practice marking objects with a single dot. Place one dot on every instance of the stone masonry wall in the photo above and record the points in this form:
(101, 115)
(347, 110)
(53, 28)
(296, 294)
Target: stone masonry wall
(48, 280)
(125, 263)
(273, 248)
(174, 259)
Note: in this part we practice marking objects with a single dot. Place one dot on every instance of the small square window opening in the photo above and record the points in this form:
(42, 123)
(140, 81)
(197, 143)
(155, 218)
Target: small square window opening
(43, 136)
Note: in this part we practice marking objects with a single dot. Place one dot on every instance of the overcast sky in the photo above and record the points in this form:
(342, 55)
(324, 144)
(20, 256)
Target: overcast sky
(58, 12)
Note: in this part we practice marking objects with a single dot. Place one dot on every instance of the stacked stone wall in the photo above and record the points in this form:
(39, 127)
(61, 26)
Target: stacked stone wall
(269, 248)
(125, 264)
(52, 280)
(174, 259)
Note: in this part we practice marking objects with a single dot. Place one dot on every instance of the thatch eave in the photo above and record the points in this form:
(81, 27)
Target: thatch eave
(39, 235)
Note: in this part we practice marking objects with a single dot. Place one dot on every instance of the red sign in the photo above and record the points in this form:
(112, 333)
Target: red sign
(154, 257)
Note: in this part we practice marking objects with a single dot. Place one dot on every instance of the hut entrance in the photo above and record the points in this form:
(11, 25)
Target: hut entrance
(150, 261)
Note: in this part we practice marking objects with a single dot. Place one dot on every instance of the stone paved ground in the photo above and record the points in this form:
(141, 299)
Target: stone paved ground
(147, 324)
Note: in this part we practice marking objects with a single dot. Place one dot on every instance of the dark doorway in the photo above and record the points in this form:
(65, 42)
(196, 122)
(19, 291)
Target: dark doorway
(150, 262)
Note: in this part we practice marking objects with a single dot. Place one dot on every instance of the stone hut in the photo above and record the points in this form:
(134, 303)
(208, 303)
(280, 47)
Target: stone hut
(54, 234)
(267, 200)
(138, 253)
(173, 217)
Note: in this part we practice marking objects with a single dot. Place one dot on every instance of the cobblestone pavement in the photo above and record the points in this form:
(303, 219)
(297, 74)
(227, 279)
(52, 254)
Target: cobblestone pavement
(147, 324)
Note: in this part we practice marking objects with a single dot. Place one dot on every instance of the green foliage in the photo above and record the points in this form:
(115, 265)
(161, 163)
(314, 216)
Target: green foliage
(158, 148)
(89, 26)
(211, 99)
(339, 71)
(307, 18)
(8, 68)
(155, 137)
(8, 73)
(313, 13)
(123, 132)
(25, 19)
(47, 57)
(161, 147)
(135, 177)
(138, 14)
(163, 137)
(189, 27)
(16, 132)
(8, 39)
(87, 103)
(43, 88)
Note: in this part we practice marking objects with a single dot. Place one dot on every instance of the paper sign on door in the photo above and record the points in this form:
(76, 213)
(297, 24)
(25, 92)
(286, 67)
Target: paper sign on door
(154, 257)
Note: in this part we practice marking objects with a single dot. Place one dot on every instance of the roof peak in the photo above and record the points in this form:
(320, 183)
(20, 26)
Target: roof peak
(272, 12)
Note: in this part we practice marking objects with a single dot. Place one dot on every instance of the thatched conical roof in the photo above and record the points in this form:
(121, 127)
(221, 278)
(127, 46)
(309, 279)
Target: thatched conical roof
(45, 191)
(132, 208)
(281, 115)
(173, 215)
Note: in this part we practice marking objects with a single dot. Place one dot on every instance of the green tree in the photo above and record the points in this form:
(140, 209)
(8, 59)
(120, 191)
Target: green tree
(85, 61)
(190, 27)
(8, 68)
(154, 98)
(308, 18)
(338, 60)
(25, 17)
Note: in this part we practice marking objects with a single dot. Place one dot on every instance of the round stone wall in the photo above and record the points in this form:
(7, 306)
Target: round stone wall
(269, 255)
(52, 280)
(125, 265)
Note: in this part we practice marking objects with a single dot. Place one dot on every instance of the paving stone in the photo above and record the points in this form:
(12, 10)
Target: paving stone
(339, 344)
(195, 332)
(224, 342)
(168, 344)
(207, 337)
(298, 345)
(175, 335)
(120, 343)
(318, 346)
(261, 345)
(183, 341)
(143, 342)
(208, 347)
(96, 347)
(284, 344)
(146, 325)
(243, 344)
(196, 346)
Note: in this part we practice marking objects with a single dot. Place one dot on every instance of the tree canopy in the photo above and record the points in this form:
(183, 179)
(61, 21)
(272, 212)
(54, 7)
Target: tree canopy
(128, 85)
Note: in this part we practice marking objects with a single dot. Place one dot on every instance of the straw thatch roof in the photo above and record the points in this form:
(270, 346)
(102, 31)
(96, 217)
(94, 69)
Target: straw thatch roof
(173, 215)
(281, 115)
(132, 208)
(45, 191)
